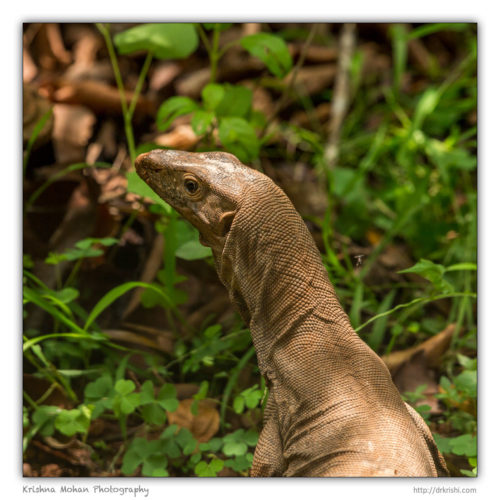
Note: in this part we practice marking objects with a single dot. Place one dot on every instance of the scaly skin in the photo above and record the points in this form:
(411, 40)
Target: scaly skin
(333, 409)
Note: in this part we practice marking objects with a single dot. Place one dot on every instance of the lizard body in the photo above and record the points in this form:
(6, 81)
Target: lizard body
(332, 409)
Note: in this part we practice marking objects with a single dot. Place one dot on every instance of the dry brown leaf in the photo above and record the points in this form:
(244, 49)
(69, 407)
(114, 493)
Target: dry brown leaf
(54, 37)
(191, 84)
(185, 391)
(414, 373)
(303, 118)
(163, 340)
(97, 96)
(164, 73)
(73, 126)
(311, 80)
(204, 425)
(433, 348)
(134, 338)
(181, 137)
(314, 53)
(29, 67)
(51, 470)
(27, 470)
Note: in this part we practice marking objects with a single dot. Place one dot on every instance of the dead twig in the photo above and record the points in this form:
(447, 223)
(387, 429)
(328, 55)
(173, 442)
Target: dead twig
(340, 100)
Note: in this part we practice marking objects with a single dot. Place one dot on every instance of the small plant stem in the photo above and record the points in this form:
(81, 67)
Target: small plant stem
(231, 383)
(291, 82)
(127, 112)
(211, 48)
(114, 63)
(46, 394)
(140, 83)
(29, 400)
(73, 272)
(203, 37)
(111, 467)
(420, 300)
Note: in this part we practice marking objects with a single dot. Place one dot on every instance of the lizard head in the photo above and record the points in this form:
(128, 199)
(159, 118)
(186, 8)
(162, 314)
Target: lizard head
(205, 188)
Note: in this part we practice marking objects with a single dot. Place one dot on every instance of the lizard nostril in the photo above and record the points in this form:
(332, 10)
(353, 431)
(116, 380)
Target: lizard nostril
(146, 162)
(141, 157)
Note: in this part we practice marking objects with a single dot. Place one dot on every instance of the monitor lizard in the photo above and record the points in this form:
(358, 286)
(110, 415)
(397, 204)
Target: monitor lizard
(332, 409)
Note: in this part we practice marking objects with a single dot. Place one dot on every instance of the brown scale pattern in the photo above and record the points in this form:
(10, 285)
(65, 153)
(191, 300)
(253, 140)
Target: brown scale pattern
(333, 409)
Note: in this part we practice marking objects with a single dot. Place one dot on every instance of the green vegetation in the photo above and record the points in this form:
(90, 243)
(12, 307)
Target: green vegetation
(404, 180)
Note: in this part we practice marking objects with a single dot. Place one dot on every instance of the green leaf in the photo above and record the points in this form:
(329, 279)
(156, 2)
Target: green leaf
(426, 106)
(467, 382)
(376, 336)
(442, 443)
(27, 261)
(239, 404)
(131, 460)
(240, 463)
(125, 405)
(427, 269)
(237, 101)
(251, 437)
(188, 246)
(165, 41)
(152, 413)
(462, 266)
(193, 250)
(252, 398)
(213, 445)
(172, 108)
(427, 29)
(399, 52)
(138, 186)
(124, 387)
(464, 445)
(432, 272)
(239, 138)
(99, 388)
(219, 26)
(201, 121)
(43, 418)
(234, 448)
(445, 157)
(204, 469)
(167, 397)
(125, 400)
(69, 422)
(117, 292)
(212, 95)
(66, 295)
(155, 466)
(271, 50)
(169, 431)
(147, 392)
(26, 417)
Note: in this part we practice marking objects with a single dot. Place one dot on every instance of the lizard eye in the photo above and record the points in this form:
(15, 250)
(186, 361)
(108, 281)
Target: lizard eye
(191, 186)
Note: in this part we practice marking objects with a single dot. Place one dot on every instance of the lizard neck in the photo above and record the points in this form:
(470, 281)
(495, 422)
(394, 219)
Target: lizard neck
(275, 277)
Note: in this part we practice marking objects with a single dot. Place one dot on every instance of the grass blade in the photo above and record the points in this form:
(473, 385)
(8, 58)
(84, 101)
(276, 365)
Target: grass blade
(116, 293)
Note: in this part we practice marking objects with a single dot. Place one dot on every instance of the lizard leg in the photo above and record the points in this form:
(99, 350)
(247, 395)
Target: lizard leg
(268, 458)
(424, 431)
